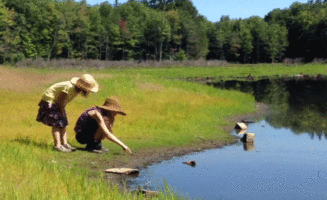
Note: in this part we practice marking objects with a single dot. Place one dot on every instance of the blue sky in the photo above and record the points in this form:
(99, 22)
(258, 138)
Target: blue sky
(214, 9)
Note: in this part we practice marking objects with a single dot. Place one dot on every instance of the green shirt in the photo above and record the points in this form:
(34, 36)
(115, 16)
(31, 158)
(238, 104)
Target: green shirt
(52, 93)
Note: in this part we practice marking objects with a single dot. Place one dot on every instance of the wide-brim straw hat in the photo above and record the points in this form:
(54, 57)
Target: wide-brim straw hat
(112, 104)
(86, 82)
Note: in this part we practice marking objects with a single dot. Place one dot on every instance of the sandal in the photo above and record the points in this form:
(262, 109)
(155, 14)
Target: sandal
(67, 146)
(95, 147)
(62, 149)
(95, 151)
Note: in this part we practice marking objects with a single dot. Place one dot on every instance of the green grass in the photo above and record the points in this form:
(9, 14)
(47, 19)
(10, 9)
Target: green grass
(27, 173)
(160, 112)
(235, 70)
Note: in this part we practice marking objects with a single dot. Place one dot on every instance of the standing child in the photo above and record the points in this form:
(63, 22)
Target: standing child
(53, 102)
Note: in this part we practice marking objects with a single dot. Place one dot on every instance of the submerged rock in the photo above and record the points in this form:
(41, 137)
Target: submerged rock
(149, 193)
(191, 163)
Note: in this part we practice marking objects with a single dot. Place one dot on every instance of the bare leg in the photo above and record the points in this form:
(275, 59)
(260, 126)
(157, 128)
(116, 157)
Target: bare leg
(63, 136)
(56, 136)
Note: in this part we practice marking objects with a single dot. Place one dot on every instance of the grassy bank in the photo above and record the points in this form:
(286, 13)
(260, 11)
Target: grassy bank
(231, 70)
(160, 112)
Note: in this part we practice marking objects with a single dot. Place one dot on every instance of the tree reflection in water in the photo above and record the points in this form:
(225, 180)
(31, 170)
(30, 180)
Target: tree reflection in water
(297, 104)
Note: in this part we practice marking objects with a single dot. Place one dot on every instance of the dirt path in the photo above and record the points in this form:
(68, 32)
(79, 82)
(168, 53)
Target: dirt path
(27, 80)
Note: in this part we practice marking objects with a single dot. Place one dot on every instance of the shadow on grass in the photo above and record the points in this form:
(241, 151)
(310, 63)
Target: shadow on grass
(81, 149)
(27, 141)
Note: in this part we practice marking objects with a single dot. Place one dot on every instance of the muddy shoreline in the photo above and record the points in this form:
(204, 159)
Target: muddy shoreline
(143, 158)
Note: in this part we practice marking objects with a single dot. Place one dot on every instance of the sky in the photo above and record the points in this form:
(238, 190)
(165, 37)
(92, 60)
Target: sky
(214, 9)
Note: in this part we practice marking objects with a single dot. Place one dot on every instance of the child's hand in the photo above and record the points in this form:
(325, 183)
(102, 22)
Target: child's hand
(127, 150)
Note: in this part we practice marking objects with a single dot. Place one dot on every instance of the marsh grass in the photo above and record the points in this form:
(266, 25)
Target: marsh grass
(230, 71)
(173, 114)
(160, 112)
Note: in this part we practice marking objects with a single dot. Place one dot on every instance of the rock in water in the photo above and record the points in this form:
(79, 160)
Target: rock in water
(191, 163)
(122, 171)
(148, 193)
(248, 137)
(241, 125)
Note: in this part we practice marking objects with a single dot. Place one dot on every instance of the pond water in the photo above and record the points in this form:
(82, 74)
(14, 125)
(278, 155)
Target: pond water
(286, 161)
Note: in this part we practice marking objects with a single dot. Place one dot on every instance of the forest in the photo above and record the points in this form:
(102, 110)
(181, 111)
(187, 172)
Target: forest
(158, 30)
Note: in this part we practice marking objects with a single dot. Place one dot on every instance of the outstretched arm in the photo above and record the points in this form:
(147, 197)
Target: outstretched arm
(98, 117)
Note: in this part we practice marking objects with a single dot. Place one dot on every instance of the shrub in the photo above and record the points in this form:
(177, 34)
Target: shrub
(298, 61)
(16, 57)
(180, 56)
(288, 61)
(102, 64)
(217, 63)
(319, 61)
(294, 62)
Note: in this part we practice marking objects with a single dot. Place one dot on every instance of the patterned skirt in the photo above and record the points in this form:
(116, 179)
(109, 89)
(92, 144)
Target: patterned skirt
(53, 116)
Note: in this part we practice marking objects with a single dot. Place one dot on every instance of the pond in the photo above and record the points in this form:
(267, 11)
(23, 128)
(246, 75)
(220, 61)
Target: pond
(286, 161)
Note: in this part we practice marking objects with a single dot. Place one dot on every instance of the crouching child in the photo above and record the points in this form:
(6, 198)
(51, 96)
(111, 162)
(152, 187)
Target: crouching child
(95, 124)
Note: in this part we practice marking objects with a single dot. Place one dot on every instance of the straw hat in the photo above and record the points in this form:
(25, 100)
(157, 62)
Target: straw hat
(86, 82)
(112, 104)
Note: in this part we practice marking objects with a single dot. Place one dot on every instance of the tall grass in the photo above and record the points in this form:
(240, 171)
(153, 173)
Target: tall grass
(27, 172)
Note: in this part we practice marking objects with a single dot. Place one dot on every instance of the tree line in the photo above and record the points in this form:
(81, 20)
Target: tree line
(157, 30)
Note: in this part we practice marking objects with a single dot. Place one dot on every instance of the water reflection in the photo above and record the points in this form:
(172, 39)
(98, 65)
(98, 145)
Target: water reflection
(240, 132)
(298, 104)
(248, 146)
(318, 136)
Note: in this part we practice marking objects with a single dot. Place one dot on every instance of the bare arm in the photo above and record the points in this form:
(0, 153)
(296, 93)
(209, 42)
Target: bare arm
(61, 100)
(98, 117)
